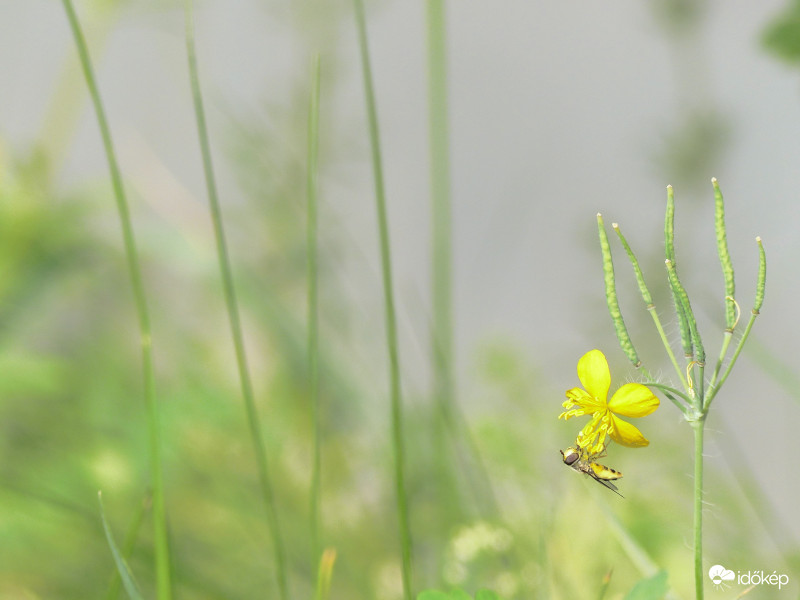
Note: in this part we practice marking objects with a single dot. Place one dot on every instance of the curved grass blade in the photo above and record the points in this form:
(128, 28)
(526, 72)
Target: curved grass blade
(130, 541)
(122, 567)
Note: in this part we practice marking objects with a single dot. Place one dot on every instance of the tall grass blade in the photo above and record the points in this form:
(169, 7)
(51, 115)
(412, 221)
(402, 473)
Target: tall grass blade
(313, 312)
(231, 302)
(161, 542)
(438, 135)
(391, 318)
(122, 568)
(441, 261)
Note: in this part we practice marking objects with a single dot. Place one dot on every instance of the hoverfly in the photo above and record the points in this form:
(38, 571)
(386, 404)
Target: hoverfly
(583, 462)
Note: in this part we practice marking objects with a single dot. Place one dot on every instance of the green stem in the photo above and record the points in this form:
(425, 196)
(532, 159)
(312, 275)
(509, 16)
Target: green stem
(712, 391)
(671, 392)
(65, 101)
(313, 313)
(662, 334)
(699, 574)
(391, 319)
(648, 300)
(759, 301)
(723, 351)
(161, 541)
(233, 314)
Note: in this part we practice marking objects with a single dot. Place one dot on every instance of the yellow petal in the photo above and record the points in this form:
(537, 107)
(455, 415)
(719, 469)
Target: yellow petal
(580, 397)
(594, 374)
(626, 434)
(633, 400)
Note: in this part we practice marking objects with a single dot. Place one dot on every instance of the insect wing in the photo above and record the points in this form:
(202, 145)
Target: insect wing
(608, 484)
(602, 475)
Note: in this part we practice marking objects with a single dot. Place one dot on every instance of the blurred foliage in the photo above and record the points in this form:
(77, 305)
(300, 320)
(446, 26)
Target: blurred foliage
(652, 588)
(692, 147)
(457, 594)
(679, 18)
(72, 423)
(72, 419)
(782, 36)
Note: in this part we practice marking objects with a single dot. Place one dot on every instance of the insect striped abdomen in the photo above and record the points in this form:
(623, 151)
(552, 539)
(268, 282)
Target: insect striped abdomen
(604, 472)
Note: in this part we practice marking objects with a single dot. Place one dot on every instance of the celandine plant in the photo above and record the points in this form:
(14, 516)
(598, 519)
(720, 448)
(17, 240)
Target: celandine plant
(696, 392)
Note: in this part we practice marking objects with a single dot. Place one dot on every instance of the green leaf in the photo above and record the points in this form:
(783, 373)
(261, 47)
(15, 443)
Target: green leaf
(652, 588)
(486, 595)
(458, 594)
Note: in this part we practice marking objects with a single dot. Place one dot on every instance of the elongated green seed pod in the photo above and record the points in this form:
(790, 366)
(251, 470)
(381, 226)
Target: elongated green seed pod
(762, 277)
(669, 251)
(683, 298)
(724, 256)
(648, 299)
(669, 226)
(611, 296)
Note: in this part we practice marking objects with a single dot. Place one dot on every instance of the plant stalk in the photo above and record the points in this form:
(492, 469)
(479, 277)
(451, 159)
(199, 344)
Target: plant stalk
(699, 575)
(313, 312)
(391, 318)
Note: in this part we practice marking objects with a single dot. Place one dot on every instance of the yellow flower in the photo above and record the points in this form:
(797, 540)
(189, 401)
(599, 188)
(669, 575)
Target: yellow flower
(631, 400)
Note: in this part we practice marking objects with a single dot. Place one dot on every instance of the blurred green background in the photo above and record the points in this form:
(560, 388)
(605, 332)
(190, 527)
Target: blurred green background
(557, 110)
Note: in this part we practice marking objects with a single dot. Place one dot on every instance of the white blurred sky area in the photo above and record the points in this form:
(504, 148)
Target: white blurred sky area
(558, 110)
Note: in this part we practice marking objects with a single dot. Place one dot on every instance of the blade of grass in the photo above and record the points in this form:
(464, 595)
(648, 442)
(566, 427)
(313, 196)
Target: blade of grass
(130, 541)
(122, 567)
(441, 268)
(391, 318)
(604, 583)
(65, 101)
(231, 302)
(161, 542)
(442, 325)
(325, 574)
(313, 318)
